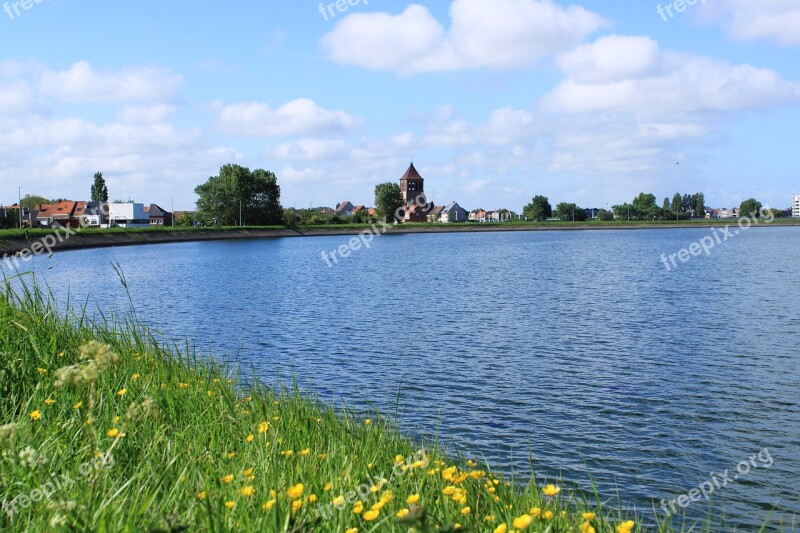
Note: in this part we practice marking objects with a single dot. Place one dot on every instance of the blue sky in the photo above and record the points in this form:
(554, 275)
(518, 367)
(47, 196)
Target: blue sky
(498, 101)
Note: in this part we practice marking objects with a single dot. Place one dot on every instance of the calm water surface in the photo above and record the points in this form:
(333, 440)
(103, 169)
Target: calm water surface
(575, 348)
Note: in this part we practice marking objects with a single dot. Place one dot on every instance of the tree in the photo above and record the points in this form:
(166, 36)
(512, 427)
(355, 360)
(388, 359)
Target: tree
(388, 201)
(99, 190)
(186, 220)
(666, 204)
(676, 204)
(33, 201)
(238, 195)
(567, 211)
(699, 201)
(539, 209)
(644, 207)
(605, 215)
(750, 208)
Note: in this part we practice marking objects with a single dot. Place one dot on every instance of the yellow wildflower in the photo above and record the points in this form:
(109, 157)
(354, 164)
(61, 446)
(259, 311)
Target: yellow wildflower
(352, 530)
(35, 415)
(295, 492)
(42, 371)
(548, 515)
(296, 505)
(551, 490)
(304, 453)
(247, 491)
(402, 513)
(267, 506)
(135, 377)
(371, 515)
(312, 498)
(113, 433)
(328, 486)
(230, 505)
(626, 527)
(122, 392)
(248, 472)
(358, 507)
(263, 427)
(338, 501)
(588, 516)
(249, 438)
(522, 522)
(49, 401)
(502, 528)
(368, 422)
(535, 512)
(226, 479)
(322, 456)
(414, 498)
(230, 455)
(449, 490)
(466, 511)
(586, 527)
(201, 495)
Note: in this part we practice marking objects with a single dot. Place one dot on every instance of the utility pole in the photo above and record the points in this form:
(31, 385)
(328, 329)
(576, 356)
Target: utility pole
(240, 212)
(19, 204)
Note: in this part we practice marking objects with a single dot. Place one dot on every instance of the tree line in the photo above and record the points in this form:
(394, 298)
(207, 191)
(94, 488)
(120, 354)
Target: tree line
(642, 208)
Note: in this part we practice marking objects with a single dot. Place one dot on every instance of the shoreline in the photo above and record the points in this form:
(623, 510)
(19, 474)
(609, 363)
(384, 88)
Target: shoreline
(10, 246)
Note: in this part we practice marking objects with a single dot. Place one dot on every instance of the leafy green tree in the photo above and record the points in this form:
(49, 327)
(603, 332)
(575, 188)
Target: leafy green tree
(605, 215)
(666, 205)
(32, 201)
(699, 205)
(539, 209)
(388, 200)
(675, 207)
(186, 220)
(567, 211)
(240, 195)
(750, 208)
(644, 207)
(99, 191)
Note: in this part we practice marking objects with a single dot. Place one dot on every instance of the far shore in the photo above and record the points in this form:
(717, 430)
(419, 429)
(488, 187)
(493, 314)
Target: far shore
(15, 241)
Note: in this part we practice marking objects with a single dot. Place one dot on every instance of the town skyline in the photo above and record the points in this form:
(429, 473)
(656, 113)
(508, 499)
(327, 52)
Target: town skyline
(539, 106)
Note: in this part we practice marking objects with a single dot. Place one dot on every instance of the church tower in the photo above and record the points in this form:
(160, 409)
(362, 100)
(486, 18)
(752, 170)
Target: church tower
(413, 188)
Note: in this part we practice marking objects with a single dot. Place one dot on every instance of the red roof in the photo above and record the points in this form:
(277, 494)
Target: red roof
(411, 174)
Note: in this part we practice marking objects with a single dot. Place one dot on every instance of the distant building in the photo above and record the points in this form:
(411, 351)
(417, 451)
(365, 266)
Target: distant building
(435, 213)
(65, 214)
(454, 213)
(796, 206)
(158, 217)
(591, 212)
(345, 209)
(128, 215)
(413, 188)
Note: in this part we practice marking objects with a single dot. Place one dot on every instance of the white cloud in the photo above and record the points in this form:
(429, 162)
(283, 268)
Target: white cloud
(776, 21)
(298, 117)
(504, 34)
(81, 83)
(145, 114)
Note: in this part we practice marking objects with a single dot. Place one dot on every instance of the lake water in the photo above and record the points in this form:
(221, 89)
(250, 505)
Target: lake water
(577, 349)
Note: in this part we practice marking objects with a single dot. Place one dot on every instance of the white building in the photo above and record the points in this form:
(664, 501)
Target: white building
(128, 215)
(796, 206)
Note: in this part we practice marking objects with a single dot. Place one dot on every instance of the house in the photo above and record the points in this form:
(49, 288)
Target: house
(435, 213)
(158, 217)
(91, 214)
(60, 215)
(454, 213)
(727, 213)
(345, 209)
(591, 212)
(128, 215)
(412, 186)
(477, 215)
(796, 206)
(359, 208)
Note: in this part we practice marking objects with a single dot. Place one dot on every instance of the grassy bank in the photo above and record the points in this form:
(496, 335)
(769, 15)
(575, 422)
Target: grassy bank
(104, 429)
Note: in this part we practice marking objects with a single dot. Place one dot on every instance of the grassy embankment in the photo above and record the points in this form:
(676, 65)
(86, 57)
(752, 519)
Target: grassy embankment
(146, 437)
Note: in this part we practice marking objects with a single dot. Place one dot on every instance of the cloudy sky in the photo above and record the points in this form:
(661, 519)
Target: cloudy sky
(497, 101)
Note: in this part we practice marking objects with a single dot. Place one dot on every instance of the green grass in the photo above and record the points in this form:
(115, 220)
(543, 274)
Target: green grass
(187, 447)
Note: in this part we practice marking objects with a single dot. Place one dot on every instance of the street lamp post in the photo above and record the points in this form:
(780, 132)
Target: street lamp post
(19, 204)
